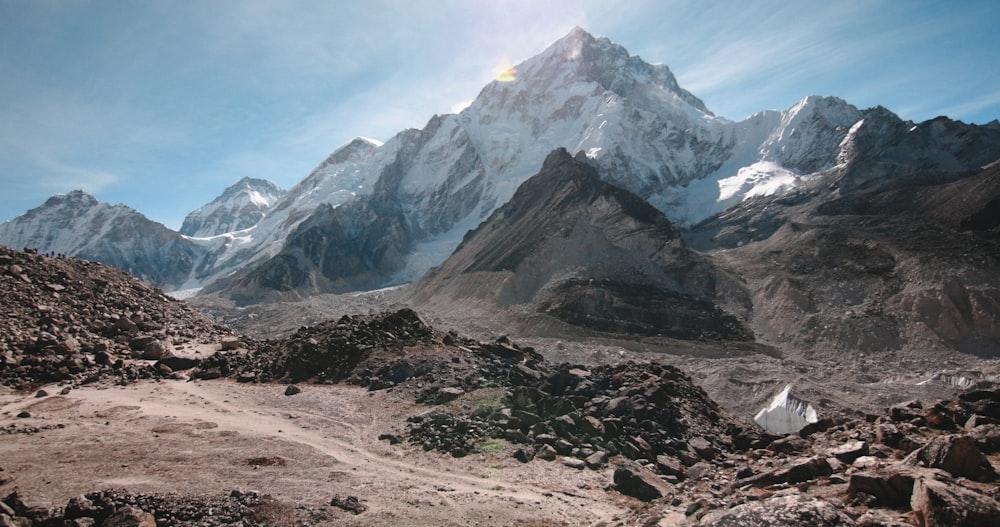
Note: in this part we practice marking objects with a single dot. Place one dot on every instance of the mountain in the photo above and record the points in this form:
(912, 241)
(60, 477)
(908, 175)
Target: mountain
(639, 128)
(239, 207)
(77, 224)
(376, 214)
(575, 248)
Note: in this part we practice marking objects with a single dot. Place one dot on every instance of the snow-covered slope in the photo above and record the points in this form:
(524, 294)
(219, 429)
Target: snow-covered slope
(239, 207)
(77, 224)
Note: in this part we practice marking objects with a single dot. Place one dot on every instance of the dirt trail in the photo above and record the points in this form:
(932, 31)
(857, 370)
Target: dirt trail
(210, 437)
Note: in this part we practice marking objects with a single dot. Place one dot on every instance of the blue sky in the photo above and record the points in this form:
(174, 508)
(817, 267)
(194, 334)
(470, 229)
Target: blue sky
(162, 104)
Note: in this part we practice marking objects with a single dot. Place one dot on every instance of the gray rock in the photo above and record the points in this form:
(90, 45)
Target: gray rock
(547, 453)
(597, 460)
(796, 472)
(794, 510)
(937, 503)
(670, 466)
(849, 451)
(632, 480)
(956, 454)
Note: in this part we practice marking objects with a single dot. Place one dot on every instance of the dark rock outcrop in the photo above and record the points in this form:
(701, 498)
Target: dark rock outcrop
(587, 253)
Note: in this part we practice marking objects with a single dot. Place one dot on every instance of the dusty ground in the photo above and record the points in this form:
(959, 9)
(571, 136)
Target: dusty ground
(209, 437)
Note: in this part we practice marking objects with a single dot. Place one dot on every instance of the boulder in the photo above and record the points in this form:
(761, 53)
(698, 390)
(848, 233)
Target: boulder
(794, 510)
(849, 451)
(891, 487)
(597, 460)
(633, 480)
(796, 472)
(956, 454)
(937, 503)
(547, 453)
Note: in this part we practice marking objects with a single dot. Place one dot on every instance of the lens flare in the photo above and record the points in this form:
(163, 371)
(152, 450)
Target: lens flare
(505, 74)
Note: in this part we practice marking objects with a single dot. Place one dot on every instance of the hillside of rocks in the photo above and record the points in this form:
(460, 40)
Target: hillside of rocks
(74, 321)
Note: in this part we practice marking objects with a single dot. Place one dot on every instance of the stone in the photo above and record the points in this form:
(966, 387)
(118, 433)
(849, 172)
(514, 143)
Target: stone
(573, 462)
(546, 453)
(633, 480)
(939, 504)
(129, 516)
(393, 439)
(891, 487)
(796, 472)
(349, 503)
(292, 389)
(446, 395)
(524, 455)
(987, 437)
(955, 454)
(670, 466)
(597, 460)
(794, 510)
(155, 350)
(791, 444)
(849, 451)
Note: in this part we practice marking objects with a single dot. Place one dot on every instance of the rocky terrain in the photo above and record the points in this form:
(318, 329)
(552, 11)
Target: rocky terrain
(338, 423)
(72, 321)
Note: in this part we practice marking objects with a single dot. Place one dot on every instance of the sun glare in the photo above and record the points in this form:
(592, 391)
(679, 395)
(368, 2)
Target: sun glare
(505, 74)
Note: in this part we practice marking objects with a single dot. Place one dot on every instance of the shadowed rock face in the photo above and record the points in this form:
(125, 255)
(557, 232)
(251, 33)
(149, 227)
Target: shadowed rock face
(905, 265)
(587, 253)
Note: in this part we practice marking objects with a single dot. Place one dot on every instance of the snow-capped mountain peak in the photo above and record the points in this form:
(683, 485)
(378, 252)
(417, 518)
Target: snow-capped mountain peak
(240, 206)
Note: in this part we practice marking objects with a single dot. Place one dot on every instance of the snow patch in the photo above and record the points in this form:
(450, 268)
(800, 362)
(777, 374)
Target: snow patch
(763, 178)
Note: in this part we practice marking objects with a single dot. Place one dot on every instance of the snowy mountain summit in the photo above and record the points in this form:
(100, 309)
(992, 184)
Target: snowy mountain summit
(239, 207)
(375, 214)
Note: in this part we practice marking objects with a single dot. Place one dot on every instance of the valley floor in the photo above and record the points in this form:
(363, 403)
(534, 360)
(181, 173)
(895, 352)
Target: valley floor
(211, 437)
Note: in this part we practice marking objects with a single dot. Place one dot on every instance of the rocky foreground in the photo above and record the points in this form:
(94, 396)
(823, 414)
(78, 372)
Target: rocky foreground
(664, 450)
(71, 320)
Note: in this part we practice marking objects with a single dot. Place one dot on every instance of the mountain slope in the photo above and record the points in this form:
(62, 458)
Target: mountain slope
(240, 206)
(77, 224)
(899, 266)
(642, 131)
(575, 248)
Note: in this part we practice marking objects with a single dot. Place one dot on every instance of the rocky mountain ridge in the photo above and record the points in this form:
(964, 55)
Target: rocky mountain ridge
(572, 247)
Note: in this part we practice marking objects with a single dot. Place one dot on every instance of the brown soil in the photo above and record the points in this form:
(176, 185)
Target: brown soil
(209, 437)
